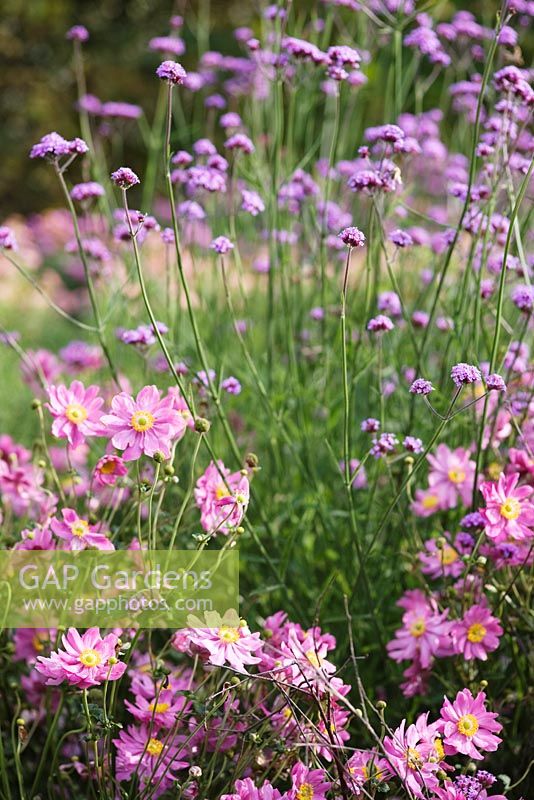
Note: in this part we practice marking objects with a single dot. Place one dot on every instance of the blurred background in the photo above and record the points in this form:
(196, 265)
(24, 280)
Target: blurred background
(37, 88)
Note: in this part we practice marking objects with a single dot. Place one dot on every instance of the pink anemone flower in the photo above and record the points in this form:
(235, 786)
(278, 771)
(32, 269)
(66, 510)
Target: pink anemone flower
(508, 513)
(467, 727)
(76, 412)
(144, 425)
(477, 634)
(78, 533)
(87, 660)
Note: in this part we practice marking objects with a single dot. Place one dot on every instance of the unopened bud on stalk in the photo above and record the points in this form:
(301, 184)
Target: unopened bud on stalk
(202, 425)
(195, 772)
(36, 403)
(252, 461)
(158, 457)
(358, 712)
(381, 705)
(168, 469)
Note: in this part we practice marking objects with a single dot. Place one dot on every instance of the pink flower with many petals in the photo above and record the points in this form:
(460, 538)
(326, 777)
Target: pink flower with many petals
(508, 513)
(76, 412)
(78, 533)
(222, 497)
(247, 790)
(452, 475)
(108, 469)
(161, 711)
(146, 425)
(477, 634)
(425, 635)
(467, 727)
(412, 756)
(228, 644)
(84, 662)
(426, 503)
(154, 760)
(440, 559)
(308, 784)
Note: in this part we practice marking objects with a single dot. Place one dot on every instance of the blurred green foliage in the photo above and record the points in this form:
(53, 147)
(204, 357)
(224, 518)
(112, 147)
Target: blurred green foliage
(37, 88)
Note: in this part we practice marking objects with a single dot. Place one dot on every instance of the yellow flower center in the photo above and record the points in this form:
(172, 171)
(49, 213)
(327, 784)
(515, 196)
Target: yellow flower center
(448, 555)
(304, 792)
(287, 713)
(418, 627)
(90, 658)
(79, 528)
(221, 491)
(159, 708)
(476, 632)
(38, 642)
(511, 508)
(108, 468)
(467, 725)
(76, 413)
(142, 421)
(430, 501)
(314, 660)
(154, 747)
(494, 470)
(413, 758)
(438, 747)
(456, 475)
(229, 634)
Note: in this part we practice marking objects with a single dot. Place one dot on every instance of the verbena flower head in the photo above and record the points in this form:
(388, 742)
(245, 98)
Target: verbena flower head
(495, 383)
(52, 146)
(370, 425)
(240, 142)
(463, 374)
(78, 533)
(467, 726)
(384, 445)
(78, 33)
(145, 425)
(222, 245)
(76, 411)
(84, 662)
(124, 177)
(231, 385)
(509, 513)
(171, 71)
(172, 45)
(7, 238)
(380, 324)
(352, 237)
(412, 444)
(87, 191)
(401, 238)
(476, 634)
(421, 386)
(389, 302)
(523, 298)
